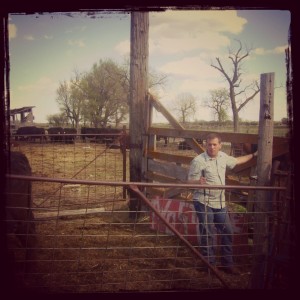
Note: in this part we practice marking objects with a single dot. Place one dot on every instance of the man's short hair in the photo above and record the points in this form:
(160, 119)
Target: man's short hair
(212, 136)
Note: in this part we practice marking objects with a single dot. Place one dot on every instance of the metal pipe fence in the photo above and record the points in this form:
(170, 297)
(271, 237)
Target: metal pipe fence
(85, 238)
(93, 246)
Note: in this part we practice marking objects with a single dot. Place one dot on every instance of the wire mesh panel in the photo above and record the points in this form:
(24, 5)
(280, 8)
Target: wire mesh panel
(83, 250)
(85, 241)
(87, 161)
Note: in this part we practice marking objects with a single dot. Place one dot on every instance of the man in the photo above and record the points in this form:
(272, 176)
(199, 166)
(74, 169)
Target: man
(209, 168)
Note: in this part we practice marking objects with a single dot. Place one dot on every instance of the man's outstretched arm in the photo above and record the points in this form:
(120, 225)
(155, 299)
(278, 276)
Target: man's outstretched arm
(245, 158)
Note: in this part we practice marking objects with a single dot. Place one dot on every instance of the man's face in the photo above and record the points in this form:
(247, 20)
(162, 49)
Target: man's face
(212, 147)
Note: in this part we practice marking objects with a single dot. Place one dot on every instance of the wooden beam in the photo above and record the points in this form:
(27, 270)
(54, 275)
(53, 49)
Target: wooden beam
(168, 169)
(160, 178)
(191, 141)
(201, 134)
(179, 159)
(66, 213)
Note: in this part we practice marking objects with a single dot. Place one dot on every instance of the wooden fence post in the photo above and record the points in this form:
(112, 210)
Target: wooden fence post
(139, 53)
(264, 166)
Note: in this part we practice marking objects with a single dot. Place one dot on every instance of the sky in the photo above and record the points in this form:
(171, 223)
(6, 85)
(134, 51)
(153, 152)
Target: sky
(46, 49)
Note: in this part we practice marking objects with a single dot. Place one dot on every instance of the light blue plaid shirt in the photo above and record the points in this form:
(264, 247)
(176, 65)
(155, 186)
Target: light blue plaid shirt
(213, 169)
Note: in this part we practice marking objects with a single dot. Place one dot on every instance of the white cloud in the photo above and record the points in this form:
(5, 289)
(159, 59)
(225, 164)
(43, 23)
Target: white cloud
(280, 49)
(276, 50)
(204, 41)
(29, 37)
(201, 87)
(48, 37)
(177, 31)
(12, 31)
(44, 83)
(174, 31)
(192, 67)
(78, 43)
(82, 28)
(123, 48)
(177, 23)
(41, 94)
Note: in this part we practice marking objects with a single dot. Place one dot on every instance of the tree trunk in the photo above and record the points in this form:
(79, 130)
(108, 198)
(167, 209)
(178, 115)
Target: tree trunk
(236, 127)
(235, 112)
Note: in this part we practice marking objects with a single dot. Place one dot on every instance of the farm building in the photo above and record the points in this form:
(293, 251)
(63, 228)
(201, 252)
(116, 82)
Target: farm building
(20, 117)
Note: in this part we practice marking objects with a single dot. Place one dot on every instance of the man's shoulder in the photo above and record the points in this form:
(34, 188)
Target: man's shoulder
(200, 157)
(223, 154)
(230, 160)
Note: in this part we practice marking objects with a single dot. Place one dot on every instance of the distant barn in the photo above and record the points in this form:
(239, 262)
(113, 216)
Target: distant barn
(20, 117)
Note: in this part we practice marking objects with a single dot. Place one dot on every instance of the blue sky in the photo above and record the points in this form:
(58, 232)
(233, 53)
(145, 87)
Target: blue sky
(46, 49)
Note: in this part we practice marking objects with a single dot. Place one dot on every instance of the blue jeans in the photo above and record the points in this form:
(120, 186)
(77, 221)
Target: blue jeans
(210, 221)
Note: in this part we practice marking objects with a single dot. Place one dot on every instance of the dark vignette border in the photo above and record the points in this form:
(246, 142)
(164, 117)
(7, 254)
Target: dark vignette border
(30, 6)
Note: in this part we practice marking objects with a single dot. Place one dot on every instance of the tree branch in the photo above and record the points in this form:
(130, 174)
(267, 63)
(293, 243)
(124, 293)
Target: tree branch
(256, 91)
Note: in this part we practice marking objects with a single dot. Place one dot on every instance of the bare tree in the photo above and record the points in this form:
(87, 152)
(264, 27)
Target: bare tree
(218, 103)
(185, 106)
(238, 94)
(57, 119)
(70, 99)
(156, 80)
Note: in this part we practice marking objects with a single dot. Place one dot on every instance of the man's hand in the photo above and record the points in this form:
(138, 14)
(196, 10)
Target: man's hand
(255, 154)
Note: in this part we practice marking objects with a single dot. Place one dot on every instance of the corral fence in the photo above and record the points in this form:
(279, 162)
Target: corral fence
(83, 248)
(86, 241)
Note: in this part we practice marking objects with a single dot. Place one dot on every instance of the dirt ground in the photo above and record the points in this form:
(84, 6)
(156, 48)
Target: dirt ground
(101, 249)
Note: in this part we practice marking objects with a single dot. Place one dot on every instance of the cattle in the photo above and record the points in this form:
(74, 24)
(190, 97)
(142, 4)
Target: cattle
(69, 135)
(19, 216)
(89, 133)
(59, 134)
(30, 133)
(106, 136)
(185, 146)
(109, 135)
(55, 134)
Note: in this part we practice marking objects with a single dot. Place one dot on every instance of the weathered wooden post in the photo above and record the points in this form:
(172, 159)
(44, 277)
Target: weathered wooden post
(139, 53)
(123, 143)
(264, 165)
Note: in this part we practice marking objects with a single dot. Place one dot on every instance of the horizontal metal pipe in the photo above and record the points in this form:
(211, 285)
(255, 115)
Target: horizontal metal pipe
(145, 184)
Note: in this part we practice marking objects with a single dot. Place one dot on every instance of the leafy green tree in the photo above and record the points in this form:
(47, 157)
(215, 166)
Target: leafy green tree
(106, 91)
(100, 97)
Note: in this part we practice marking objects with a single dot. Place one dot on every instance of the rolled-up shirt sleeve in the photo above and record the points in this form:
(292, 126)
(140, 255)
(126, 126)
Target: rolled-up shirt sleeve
(231, 162)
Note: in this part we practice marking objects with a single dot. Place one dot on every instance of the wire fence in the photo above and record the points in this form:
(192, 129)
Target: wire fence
(84, 239)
